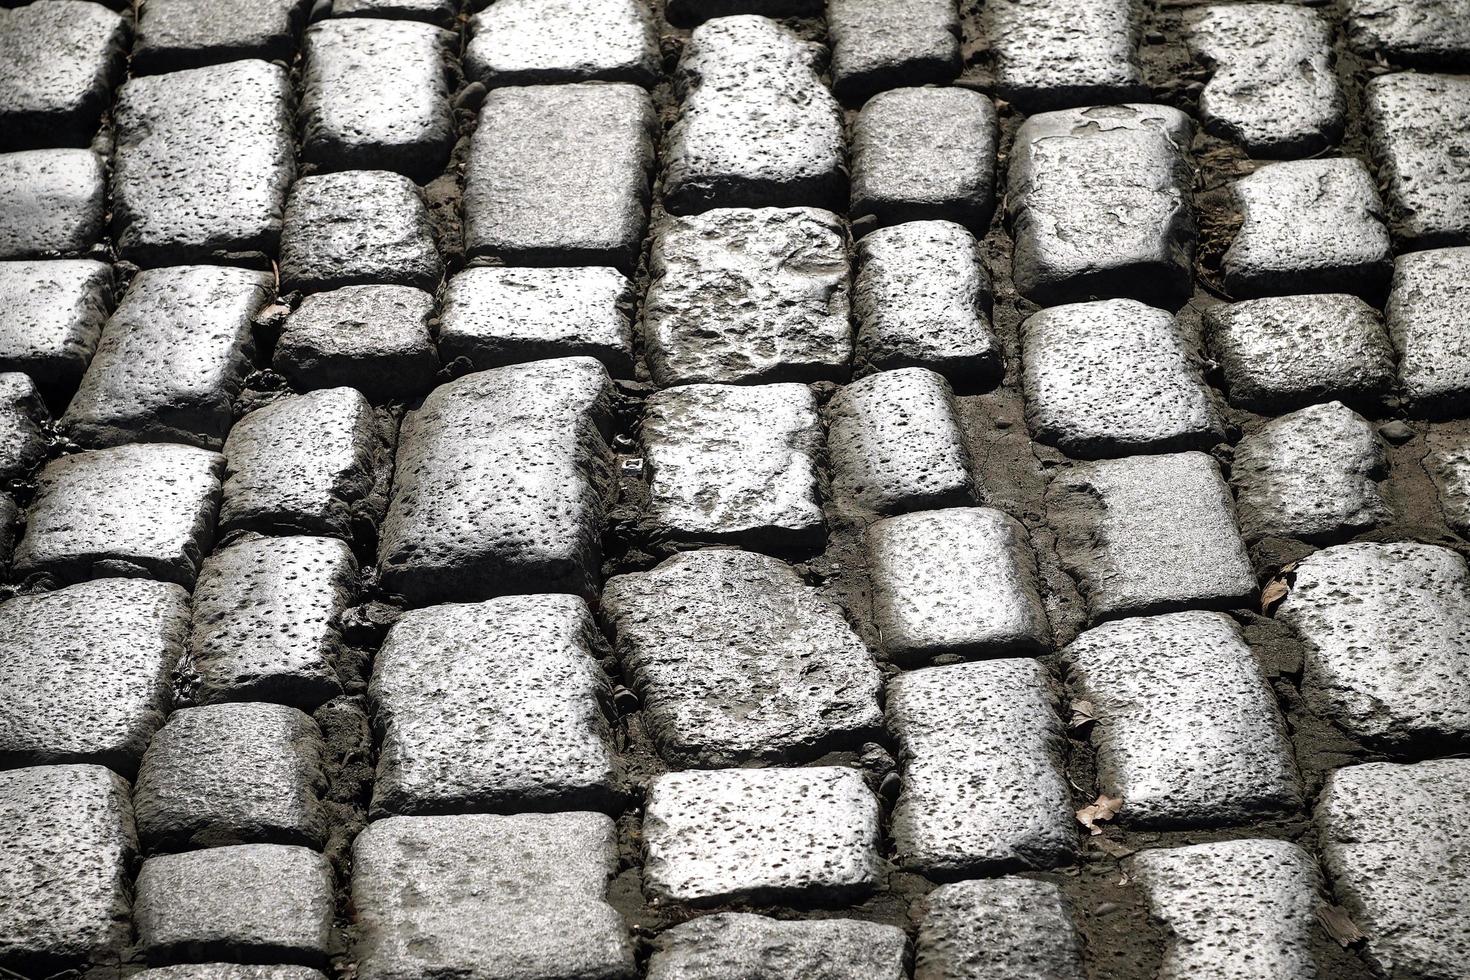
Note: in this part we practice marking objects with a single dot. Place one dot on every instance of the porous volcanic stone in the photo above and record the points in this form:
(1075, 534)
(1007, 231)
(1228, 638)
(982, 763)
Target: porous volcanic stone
(22, 415)
(1420, 134)
(1427, 33)
(737, 945)
(440, 12)
(58, 61)
(532, 42)
(51, 202)
(1005, 927)
(54, 311)
(687, 12)
(1448, 464)
(372, 338)
(175, 34)
(229, 971)
(1055, 56)
(878, 45)
(1426, 314)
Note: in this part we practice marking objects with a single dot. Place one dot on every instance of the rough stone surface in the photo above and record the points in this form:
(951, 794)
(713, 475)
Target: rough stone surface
(1448, 464)
(230, 971)
(175, 34)
(58, 61)
(737, 945)
(9, 518)
(1426, 314)
(440, 12)
(878, 45)
(1426, 33)
(51, 202)
(22, 415)
(534, 42)
(687, 12)
(54, 311)
(737, 661)
(1055, 56)
(1420, 127)
(372, 338)
(1006, 927)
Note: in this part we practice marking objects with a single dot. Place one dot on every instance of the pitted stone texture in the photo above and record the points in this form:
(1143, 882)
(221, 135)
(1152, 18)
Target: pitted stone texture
(492, 706)
(558, 175)
(247, 901)
(1098, 202)
(175, 34)
(1187, 730)
(489, 898)
(1150, 534)
(140, 511)
(357, 228)
(1395, 842)
(440, 12)
(1233, 910)
(1426, 33)
(735, 463)
(737, 661)
(54, 311)
(984, 789)
(230, 971)
(372, 338)
(802, 835)
(1427, 311)
(51, 202)
(1285, 352)
(1310, 475)
(878, 45)
(534, 42)
(1448, 464)
(65, 862)
(204, 159)
(1420, 129)
(748, 295)
(688, 12)
(737, 946)
(1114, 378)
(498, 316)
(9, 519)
(303, 465)
(1387, 635)
(375, 96)
(757, 127)
(22, 415)
(1006, 927)
(501, 485)
(171, 360)
(1272, 87)
(58, 61)
(266, 614)
(232, 774)
(895, 444)
(923, 153)
(88, 670)
(1054, 56)
(961, 582)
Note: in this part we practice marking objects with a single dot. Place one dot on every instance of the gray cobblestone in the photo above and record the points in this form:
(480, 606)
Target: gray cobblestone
(1053, 56)
(230, 971)
(1015, 928)
(1429, 33)
(22, 415)
(176, 34)
(52, 202)
(357, 228)
(440, 12)
(54, 311)
(1420, 126)
(877, 45)
(58, 61)
(686, 12)
(372, 338)
(1426, 314)
(531, 42)
(735, 946)
(1448, 464)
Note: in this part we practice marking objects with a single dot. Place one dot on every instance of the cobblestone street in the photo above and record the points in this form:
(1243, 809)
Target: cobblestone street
(734, 490)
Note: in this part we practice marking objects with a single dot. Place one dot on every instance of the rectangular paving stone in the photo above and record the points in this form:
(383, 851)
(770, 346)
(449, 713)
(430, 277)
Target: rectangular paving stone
(689, 12)
(88, 670)
(735, 463)
(204, 159)
(495, 706)
(489, 898)
(372, 338)
(1426, 313)
(58, 62)
(1187, 730)
(800, 835)
(440, 12)
(1425, 33)
(1420, 134)
(1150, 534)
(51, 202)
(175, 34)
(1004, 927)
(878, 45)
(23, 414)
(1448, 464)
(984, 789)
(1098, 203)
(501, 484)
(756, 126)
(536, 42)
(230, 971)
(1052, 55)
(748, 295)
(171, 360)
(531, 198)
(54, 311)
(737, 945)
(736, 661)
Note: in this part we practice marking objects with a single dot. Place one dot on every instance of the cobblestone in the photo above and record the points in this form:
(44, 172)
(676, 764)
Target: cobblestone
(440, 12)
(534, 42)
(1429, 33)
(357, 228)
(22, 416)
(54, 311)
(52, 202)
(230, 971)
(1005, 927)
(1420, 127)
(372, 338)
(1049, 56)
(1448, 464)
(58, 62)
(176, 34)
(1426, 309)
(877, 46)
(687, 12)
(736, 945)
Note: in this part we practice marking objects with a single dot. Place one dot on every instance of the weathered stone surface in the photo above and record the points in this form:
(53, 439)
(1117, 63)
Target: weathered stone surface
(1448, 464)
(1187, 730)
(1005, 927)
(1387, 635)
(22, 415)
(1243, 909)
(1150, 534)
(532, 196)
(737, 945)
(757, 127)
(1310, 475)
(1272, 88)
(494, 706)
(175, 34)
(372, 338)
(984, 789)
(961, 582)
(895, 444)
(51, 202)
(1285, 352)
(489, 898)
(230, 971)
(1427, 33)
(1055, 56)
(737, 661)
(498, 316)
(87, 671)
(375, 97)
(441, 12)
(922, 153)
(247, 901)
(1420, 127)
(266, 614)
(687, 12)
(1426, 314)
(878, 45)
(171, 359)
(1098, 202)
(1395, 842)
(748, 295)
(357, 228)
(64, 866)
(54, 311)
(204, 159)
(807, 835)
(501, 484)
(58, 61)
(232, 774)
(534, 42)
(735, 463)
(132, 512)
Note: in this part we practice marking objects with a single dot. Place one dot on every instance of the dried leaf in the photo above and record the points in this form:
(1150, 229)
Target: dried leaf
(1339, 925)
(1082, 715)
(1102, 809)
(1272, 595)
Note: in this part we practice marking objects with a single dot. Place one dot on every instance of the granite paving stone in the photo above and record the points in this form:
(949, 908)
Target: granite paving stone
(440, 12)
(1426, 312)
(372, 338)
(1448, 464)
(1420, 135)
(52, 202)
(738, 945)
(689, 12)
(1054, 56)
(54, 311)
(1005, 927)
(535, 42)
(230, 971)
(58, 63)
(175, 34)
(23, 418)
(1426, 33)
(878, 45)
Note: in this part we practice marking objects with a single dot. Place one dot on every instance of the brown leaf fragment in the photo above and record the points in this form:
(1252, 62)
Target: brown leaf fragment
(1339, 925)
(1082, 715)
(1103, 809)
(1273, 594)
